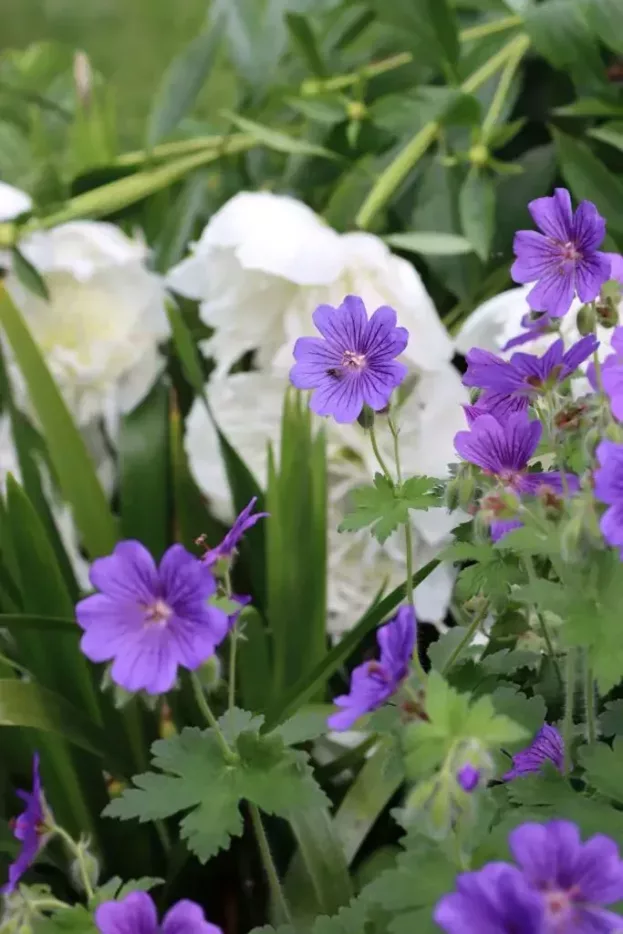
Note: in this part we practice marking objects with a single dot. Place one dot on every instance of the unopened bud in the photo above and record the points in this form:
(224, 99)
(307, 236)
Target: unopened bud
(366, 417)
(310, 87)
(478, 155)
(468, 777)
(209, 673)
(553, 505)
(571, 417)
(83, 78)
(586, 320)
(85, 865)
(500, 504)
(607, 311)
(356, 110)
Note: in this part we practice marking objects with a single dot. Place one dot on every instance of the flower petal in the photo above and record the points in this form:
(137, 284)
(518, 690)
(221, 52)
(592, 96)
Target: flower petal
(591, 273)
(547, 853)
(554, 216)
(128, 574)
(148, 662)
(553, 293)
(536, 256)
(589, 228)
(135, 914)
(187, 917)
(341, 398)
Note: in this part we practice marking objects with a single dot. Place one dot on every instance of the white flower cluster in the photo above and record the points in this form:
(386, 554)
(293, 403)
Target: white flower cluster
(262, 265)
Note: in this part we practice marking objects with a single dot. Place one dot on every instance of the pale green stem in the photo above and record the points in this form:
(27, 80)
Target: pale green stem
(379, 456)
(202, 703)
(396, 172)
(596, 360)
(567, 726)
(233, 646)
(490, 29)
(270, 869)
(503, 88)
(77, 851)
(466, 640)
(529, 565)
(589, 701)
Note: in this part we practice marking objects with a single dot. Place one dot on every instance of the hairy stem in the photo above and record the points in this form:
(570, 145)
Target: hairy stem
(466, 640)
(204, 707)
(567, 726)
(589, 701)
(270, 869)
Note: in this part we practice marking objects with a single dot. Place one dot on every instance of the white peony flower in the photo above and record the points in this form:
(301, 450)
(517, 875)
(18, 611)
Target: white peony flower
(248, 409)
(100, 330)
(265, 262)
(13, 202)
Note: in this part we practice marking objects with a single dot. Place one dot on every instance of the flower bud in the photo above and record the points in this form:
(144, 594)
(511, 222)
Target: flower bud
(607, 311)
(356, 110)
(83, 78)
(87, 864)
(478, 155)
(209, 673)
(468, 777)
(571, 417)
(366, 417)
(586, 320)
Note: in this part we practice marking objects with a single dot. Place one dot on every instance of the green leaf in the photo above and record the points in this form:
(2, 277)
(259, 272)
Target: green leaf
(406, 113)
(428, 28)
(196, 777)
(275, 139)
(385, 507)
(144, 471)
(509, 661)
(560, 33)
(431, 243)
(529, 712)
(182, 82)
(25, 704)
(303, 37)
(29, 275)
(340, 653)
(611, 720)
(71, 462)
(605, 17)
(317, 880)
(410, 892)
(611, 133)
(604, 768)
(306, 724)
(477, 209)
(589, 179)
(441, 651)
(179, 222)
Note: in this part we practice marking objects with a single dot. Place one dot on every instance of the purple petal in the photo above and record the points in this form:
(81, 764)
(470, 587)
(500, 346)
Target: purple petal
(344, 327)
(495, 900)
(135, 914)
(108, 626)
(599, 871)
(533, 483)
(612, 381)
(499, 447)
(147, 662)
(499, 528)
(184, 578)
(591, 273)
(128, 574)
(547, 746)
(554, 216)
(611, 525)
(589, 228)
(383, 339)
(616, 266)
(536, 256)
(396, 640)
(314, 357)
(368, 691)
(579, 352)
(553, 293)
(195, 640)
(547, 852)
(187, 917)
(341, 398)
(616, 341)
(468, 777)
(609, 476)
(379, 381)
(486, 371)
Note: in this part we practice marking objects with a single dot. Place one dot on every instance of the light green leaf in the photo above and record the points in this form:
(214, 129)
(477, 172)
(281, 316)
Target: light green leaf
(427, 27)
(589, 179)
(477, 209)
(611, 133)
(604, 768)
(430, 244)
(275, 139)
(195, 777)
(606, 18)
(611, 720)
(182, 82)
(385, 507)
(72, 464)
(303, 38)
(29, 275)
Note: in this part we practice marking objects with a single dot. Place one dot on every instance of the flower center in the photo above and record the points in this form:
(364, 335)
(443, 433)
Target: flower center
(353, 360)
(379, 671)
(157, 613)
(570, 252)
(558, 907)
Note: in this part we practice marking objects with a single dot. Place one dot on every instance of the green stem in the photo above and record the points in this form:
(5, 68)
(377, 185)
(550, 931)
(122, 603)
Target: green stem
(202, 703)
(77, 851)
(489, 29)
(589, 701)
(379, 456)
(233, 646)
(596, 360)
(503, 88)
(396, 172)
(409, 548)
(530, 569)
(466, 640)
(567, 726)
(270, 869)
(395, 433)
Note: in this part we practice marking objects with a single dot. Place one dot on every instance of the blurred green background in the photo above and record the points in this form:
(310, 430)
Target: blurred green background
(129, 41)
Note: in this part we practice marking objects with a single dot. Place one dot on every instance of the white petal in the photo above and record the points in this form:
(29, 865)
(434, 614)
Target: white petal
(494, 322)
(13, 202)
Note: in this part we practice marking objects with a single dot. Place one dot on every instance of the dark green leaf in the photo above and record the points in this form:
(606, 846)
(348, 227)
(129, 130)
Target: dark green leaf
(144, 471)
(441, 651)
(317, 880)
(611, 133)
(178, 224)
(275, 139)
(604, 768)
(181, 84)
(28, 275)
(406, 113)
(590, 180)
(477, 208)
(427, 27)
(305, 41)
(611, 720)
(606, 18)
(561, 34)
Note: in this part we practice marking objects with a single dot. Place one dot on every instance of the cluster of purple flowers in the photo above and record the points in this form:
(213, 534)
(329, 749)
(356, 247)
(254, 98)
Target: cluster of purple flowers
(560, 885)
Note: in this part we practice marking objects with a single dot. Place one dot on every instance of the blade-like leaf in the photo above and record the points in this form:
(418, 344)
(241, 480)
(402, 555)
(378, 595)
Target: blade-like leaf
(431, 243)
(477, 208)
(72, 464)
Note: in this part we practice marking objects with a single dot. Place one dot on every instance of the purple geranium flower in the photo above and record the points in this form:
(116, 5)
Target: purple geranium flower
(512, 384)
(609, 489)
(564, 259)
(372, 683)
(354, 365)
(616, 267)
(560, 887)
(150, 620)
(503, 450)
(612, 374)
(229, 544)
(495, 900)
(136, 914)
(468, 777)
(31, 828)
(575, 879)
(547, 746)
